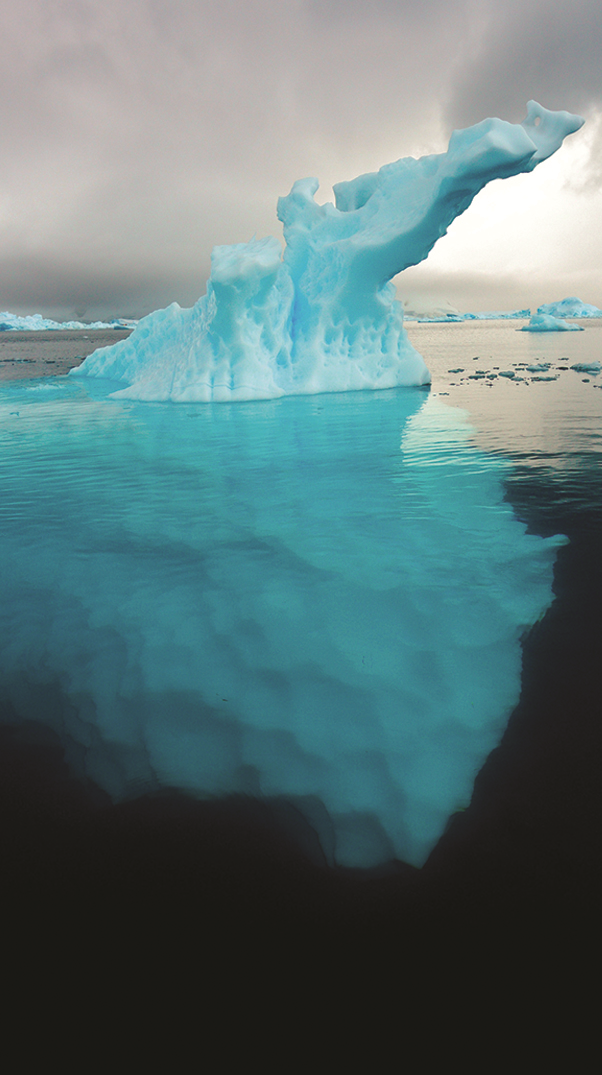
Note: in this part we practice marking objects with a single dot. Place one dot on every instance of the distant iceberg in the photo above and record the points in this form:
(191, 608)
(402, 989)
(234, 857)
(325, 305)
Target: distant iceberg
(572, 307)
(548, 323)
(325, 317)
(416, 309)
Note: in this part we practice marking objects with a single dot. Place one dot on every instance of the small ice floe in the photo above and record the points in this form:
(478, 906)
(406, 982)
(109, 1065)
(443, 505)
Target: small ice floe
(587, 367)
(540, 367)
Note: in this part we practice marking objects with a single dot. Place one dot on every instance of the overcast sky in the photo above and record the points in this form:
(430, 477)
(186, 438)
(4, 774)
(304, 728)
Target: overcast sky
(138, 134)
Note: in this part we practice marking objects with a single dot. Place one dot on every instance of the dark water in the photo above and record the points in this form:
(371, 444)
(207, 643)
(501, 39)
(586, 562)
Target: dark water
(225, 888)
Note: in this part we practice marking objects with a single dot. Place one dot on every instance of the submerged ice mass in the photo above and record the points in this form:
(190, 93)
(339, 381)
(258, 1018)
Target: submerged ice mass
(316, 598)
(323, 318)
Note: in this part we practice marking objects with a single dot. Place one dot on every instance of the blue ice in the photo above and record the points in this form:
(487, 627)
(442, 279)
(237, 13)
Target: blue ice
(549, 323)
(317, 597)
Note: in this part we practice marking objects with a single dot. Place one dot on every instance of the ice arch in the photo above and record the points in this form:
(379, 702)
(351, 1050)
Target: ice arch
(323, 318)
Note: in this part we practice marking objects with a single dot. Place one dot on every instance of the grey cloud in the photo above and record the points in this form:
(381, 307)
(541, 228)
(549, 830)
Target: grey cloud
(138, 135)
(550, 51)
(41, 283)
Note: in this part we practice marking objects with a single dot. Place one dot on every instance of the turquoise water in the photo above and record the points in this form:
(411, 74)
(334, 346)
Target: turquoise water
(318, 597)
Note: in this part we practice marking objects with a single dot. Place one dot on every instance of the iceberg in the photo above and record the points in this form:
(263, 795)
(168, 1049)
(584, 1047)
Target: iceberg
(324, 317)
(571, 307)
(318, 595)
(549, 323)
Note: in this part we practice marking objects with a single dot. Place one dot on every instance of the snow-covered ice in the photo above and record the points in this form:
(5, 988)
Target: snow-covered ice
(323, 318)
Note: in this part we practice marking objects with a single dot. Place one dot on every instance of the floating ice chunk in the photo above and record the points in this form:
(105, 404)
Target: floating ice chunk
(587, 367)
(421, 309)
(324, 318)
(548, 323)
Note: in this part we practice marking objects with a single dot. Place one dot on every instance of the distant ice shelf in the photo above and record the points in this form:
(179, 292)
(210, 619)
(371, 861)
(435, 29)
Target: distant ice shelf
(36, 323)
(571, 307)
(482, 315)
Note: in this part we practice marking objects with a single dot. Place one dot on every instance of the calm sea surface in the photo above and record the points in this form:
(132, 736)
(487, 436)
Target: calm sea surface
(531, 839)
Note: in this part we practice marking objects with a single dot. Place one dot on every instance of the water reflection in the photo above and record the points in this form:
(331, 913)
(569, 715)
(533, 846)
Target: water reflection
(526, 419)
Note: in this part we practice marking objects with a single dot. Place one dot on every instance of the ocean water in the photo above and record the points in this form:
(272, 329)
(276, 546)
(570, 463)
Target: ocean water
(360, 552)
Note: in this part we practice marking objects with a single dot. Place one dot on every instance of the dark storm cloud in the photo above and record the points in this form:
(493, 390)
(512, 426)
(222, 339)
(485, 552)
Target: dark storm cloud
(59, 287)
(550, 50)
(137, 135)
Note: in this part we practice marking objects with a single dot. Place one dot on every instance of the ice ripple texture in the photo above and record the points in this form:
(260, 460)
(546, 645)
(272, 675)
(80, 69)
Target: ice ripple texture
(316, 597)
